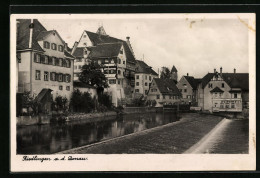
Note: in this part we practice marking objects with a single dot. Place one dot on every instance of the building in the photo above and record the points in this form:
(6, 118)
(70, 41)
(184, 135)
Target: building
(85, 88)
(188, 86)
(174, 74)
(164, 91)
(43, 62)
(114, 54)
(224, 92)
(144, 75)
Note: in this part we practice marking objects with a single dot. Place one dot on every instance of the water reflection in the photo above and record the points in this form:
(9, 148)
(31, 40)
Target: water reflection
(45, 139)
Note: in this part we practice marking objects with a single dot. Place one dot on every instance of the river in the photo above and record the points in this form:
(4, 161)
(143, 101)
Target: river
(52, 138)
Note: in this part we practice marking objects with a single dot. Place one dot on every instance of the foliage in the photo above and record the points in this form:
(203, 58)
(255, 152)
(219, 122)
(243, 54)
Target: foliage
(119, 109)
(60, 103)
(91, 74)
(82, 102)
(105, 100)
(165, 73)
(137, 102)
(28, 101)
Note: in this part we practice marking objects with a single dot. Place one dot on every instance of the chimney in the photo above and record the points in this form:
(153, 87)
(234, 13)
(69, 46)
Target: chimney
(220, 71)
(187, 74)
(214, 71)
(234, 70)
(127, 38)
(31, 26)
(74, 47)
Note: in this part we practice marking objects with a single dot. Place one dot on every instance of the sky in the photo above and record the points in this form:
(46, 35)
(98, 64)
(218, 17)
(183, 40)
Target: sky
(195, 46)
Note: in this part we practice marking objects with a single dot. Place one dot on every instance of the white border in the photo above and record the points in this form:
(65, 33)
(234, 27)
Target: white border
(139, 162)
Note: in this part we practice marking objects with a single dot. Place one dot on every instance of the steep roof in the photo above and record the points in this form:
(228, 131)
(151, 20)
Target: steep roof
(234, 80)
(23, 35)
(67, 54)
(167, 86)
(105, 50)
(80, 84)
(78, 52)
(174, 69)
(193, 82)
(142, 67)
(217, 89)
(100, 39)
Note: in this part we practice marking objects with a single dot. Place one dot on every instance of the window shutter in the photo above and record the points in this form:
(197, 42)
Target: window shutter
(56, 77)
(69, 77)
(42, 59)
(64, 77)
(69, 63)
(35, 57)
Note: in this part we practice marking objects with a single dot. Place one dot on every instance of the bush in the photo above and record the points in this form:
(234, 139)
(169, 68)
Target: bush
(82, 102)
(104, 99)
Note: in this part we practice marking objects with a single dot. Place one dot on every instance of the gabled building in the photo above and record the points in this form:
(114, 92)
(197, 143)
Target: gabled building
(114, 54)
(174, 74)
(164, 91)
(44, 64)
(144, 75)
(188, 86)
(224, 92)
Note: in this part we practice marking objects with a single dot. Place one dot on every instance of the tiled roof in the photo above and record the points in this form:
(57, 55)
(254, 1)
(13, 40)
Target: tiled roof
(24, 34)
(82, 85)
(42, 93)
(100, 39)
(79, 52)
(105, 50)
(174, 69)
(217, 89)
(67, 54)
(167, 86)
(193, 82)
(234, 80)
(142, 67)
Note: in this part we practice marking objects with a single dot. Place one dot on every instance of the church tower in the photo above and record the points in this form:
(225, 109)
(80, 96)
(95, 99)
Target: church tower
(174, 74)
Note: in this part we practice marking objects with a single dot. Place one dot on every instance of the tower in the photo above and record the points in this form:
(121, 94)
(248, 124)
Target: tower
(174, 74)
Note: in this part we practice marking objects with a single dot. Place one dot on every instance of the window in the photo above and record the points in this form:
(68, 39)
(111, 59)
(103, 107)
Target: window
(46, 45)
(146, 77)
(123, 62)
(54, 61)
(188, 96)
(61, 48)
(118, 82)
(60, 87)
(137, 77)
(112, 81)
(50, 60)
(180, 90)
(121, 51)
(67, 78)
(220, 95)
(137, 90)
(53, 76)
(38, 75)
(60, 62)
(37, 58)
(46, 76)
(137, 83)
(46, 59)
(232, 105)
(223, 85)
(235, 95)
(146, 92)
(221, 106)
(53, 46)
(75, 67)
(119, 61)
(60, 78)
(216, 95)
(68, 88)
(170, 97)
(79, 66)
(158, 96)
(84, 36)
(185, 85)
(227, 105)
(57, 61)
(210, 85)
(185, 90)
(106, 71)
(150, 78)
(119, 71)
(145, 84)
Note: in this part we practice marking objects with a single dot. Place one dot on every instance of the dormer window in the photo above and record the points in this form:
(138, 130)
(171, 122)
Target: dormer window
(85, 44)
(121, 51)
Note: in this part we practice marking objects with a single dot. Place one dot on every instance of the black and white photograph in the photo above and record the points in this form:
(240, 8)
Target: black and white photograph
(132, 92)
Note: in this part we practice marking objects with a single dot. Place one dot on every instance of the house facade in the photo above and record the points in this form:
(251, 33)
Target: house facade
(188, 86)
(224, 92)
(144, 76)
(44, 62)
(116, 57)
(164, 91)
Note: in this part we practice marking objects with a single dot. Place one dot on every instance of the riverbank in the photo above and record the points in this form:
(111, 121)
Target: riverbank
(175, 138)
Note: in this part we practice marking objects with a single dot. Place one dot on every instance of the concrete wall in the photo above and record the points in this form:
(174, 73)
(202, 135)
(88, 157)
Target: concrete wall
(31, 120)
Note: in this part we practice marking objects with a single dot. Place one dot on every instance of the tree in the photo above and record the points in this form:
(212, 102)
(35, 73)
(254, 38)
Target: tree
(165, 73)
(91, 74)
(61, 103)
